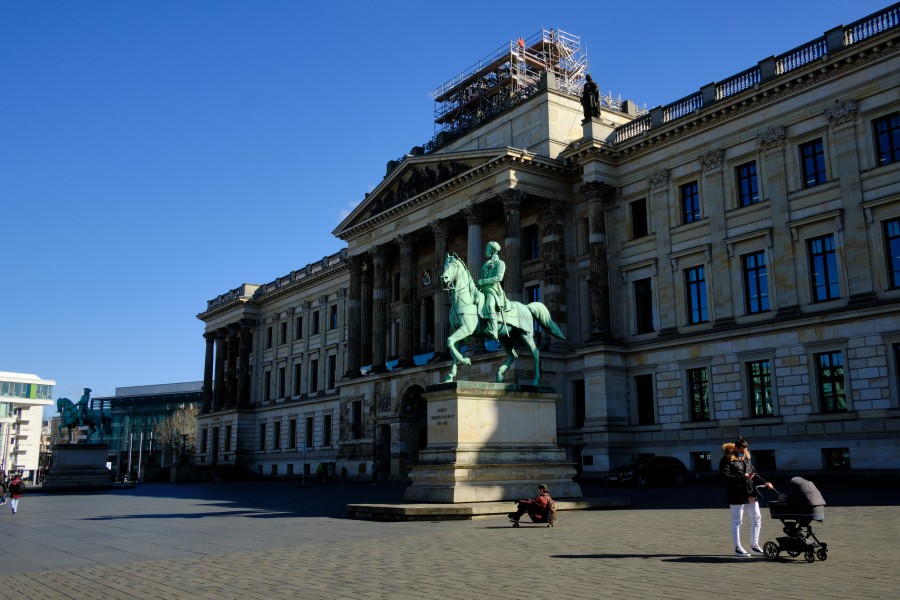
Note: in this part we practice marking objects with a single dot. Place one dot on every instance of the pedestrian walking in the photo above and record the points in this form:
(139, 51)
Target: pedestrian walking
(740, 479)
(16, 489)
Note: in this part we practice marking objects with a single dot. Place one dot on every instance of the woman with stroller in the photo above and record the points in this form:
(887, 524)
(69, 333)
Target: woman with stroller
(740, 490)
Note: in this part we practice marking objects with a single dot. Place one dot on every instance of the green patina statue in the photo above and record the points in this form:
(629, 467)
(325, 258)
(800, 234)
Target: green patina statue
(482, 310)
(72, 416)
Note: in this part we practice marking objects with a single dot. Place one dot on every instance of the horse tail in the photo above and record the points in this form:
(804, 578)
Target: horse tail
(540, 312)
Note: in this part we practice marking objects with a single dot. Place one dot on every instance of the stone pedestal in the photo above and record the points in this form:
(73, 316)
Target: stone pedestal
(79, 467)
(490, 442)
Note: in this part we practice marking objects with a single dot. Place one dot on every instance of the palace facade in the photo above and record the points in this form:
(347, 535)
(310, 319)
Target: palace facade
(726, 264)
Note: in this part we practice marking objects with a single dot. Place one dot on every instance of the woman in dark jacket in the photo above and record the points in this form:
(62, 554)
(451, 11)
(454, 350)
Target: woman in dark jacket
(741, 479)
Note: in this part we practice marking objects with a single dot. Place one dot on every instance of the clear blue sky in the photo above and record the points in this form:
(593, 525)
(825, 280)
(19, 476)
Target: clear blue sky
(157, 153)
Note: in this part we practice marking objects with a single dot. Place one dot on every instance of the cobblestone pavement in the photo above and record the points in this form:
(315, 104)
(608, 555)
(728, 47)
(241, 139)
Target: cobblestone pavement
(277, 541)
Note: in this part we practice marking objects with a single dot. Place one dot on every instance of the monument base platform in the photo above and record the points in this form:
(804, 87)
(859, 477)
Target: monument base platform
(78, 467)
(490, 442)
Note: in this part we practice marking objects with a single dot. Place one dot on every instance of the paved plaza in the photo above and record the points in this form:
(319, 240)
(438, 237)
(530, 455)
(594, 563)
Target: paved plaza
(275, 540)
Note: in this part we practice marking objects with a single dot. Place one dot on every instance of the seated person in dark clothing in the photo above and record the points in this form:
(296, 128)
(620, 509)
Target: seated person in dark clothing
(536, 508)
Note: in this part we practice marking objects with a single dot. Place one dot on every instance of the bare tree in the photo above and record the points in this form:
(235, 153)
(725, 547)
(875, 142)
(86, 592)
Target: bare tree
(178, 433)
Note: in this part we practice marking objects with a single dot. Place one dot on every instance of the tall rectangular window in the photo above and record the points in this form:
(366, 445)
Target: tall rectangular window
(531, 243)
(313, 376)
(830, 381)
(695, 284)
(298, 326)
(356, 423)
(292, 434)
(643, 305)
(333, 316)
(747, 186)
(690, 203)
(315, 322)
(326, 431)
(267, 383)
(298, 378)
(276, 435)
(262, 436)
(639, 226)
(332, 372)
(887, 139)
(310, 433)
(268, 337)
(643, 396)
(823, 269)
(281, 379)
(812, 163)
(698, 394)
(892, 249)
(204, 440)
(227, 444)
(282, 334)
(759, 386)
(756, 282)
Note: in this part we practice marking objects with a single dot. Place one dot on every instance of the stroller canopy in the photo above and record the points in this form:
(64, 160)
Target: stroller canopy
(803, 494)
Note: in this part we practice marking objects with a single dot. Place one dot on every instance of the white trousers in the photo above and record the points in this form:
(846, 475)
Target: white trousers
(14, 503)
(737, 518)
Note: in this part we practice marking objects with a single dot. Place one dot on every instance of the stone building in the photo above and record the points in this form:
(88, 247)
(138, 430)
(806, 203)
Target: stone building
(726, 264)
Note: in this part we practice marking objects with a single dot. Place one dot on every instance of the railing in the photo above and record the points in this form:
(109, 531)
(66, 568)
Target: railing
(872, 25)
(682, 107)
(801, 56)
(738, 83)
(632, 129)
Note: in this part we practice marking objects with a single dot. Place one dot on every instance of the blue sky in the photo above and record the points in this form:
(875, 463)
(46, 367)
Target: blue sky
(155, 154)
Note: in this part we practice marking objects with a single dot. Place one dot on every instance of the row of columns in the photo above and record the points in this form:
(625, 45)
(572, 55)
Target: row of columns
(227, 364)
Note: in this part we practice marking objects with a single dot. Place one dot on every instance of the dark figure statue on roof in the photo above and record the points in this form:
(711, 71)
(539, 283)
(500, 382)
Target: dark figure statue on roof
(590, 98)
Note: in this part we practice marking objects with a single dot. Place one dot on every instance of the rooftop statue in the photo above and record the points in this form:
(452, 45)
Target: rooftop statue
(72, 415)
(590, 98)
(482, 310)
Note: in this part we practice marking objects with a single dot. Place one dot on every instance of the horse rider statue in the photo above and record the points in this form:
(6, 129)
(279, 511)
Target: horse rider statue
(494, 298)
(83, 408)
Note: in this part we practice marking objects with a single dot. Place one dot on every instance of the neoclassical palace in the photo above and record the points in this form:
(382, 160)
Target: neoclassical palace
(725, 264)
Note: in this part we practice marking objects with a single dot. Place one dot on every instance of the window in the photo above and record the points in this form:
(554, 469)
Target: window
(533, 294)
(292, 434)
(298, 326)
(812, 162)
(282, 334)
(268, 337)
(204, 440)
(313, 376)
(332, 372)
(326, 431)
(747, 186)
(759, 386)
(309, 433)
(315, 322)
(701, 461)
(276, 436)
(227, 445)
(333, 316)
(639, 226)
(695, 282)
(531, 243)
(298, 379)
(584, 235)
(643, 396)
(578, 400)
(698, 394)
(836, 458)
(267, 382)
(830, 380)
(887, 139)
(765, 460)
(756, 283)
(281, 388)
(643, 305)
(690, 203)
(262, 436)
(892, 243)
(356, 424)
(823, 269)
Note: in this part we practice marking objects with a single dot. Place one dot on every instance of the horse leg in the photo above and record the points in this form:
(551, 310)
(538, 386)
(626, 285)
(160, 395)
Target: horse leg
(535, 355)
(454, 339)
(507, 343)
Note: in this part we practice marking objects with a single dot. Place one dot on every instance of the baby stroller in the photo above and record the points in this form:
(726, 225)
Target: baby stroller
(803, 505)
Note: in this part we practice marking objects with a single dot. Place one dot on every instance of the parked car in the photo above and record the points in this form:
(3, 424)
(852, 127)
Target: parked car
(649, 469)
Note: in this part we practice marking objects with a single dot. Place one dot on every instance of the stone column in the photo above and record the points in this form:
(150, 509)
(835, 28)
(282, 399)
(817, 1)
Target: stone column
(553, 253)
(663, 215)
(441, 314)
(353, 317)
(781, 269)
(379, 311)
(232, 374)
(719, 281)
(474, 249)
(243, 386)
(207, 401)
(219, 394)
(365, 316)
(405, 244)
(842, 116)
(512, 244)
(598, 194)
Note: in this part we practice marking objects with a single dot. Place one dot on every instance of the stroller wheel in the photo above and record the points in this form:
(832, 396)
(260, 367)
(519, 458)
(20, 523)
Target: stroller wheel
(793, 553)
(822, 554)
(810, 556)
(770, 550)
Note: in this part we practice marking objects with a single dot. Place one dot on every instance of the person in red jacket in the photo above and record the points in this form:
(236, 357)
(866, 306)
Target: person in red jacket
(536, 507)
(16, 487)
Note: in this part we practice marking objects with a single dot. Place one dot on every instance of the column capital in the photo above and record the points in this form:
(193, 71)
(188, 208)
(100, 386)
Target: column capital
(210, 336)
(354, 263)
(658, 179)
(841, 113)
(221, 333)
(712, 161)
(553, 210)
(405, 242)
(771, 138)
(512, 198)
(472, 214)
(439, 229)
(598, 191)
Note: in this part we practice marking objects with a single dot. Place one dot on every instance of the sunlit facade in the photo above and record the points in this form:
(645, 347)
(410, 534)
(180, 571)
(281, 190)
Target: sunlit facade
(22, 400)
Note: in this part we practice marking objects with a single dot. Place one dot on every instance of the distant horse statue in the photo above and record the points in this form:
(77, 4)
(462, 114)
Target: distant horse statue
(72, 416)
(517, 321)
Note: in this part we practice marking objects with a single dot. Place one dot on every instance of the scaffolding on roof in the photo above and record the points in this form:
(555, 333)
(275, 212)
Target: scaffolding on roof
(510, 74)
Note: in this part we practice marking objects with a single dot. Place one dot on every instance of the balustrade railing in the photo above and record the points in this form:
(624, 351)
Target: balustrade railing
(682, 107)
(738, 83)
(872, 25)
(800, 56)
(632, 129)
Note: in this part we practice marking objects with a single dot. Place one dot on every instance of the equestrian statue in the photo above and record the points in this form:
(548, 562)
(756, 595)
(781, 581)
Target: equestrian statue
(481, 309)
(72, 416)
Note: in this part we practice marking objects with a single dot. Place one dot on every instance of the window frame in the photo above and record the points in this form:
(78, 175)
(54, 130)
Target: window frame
(813, 169)
(644, 322)
(830, 266)
(638, 213)
(890, 137)
(892, 252)
(750, 274)
(747, 184)
(695, 290)
(821, 381)
(689, 201)
(693, 386)
(769, 389)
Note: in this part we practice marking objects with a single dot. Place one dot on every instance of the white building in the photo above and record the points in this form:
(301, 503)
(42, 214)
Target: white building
(22, 400)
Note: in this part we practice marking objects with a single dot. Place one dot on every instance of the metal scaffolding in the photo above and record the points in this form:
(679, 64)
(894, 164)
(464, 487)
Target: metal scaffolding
(507, 76)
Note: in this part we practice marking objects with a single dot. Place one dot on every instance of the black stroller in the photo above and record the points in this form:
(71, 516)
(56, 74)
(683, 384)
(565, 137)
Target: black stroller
(803, 505)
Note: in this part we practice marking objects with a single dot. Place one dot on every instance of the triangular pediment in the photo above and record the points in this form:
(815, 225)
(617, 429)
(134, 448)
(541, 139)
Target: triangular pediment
(417, 178)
